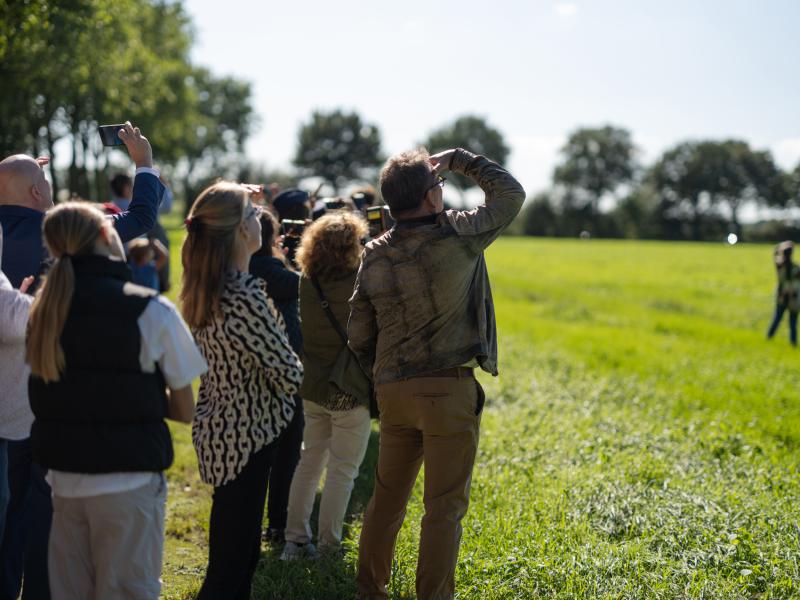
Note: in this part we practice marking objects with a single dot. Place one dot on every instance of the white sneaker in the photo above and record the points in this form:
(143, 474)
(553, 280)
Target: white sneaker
(293, 551)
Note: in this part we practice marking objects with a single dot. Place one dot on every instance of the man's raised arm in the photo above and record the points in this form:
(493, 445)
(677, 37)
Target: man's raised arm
(504, 196)
(147, 188)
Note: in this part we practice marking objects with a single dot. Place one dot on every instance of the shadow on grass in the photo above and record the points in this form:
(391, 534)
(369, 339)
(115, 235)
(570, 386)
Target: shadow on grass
(330, 577)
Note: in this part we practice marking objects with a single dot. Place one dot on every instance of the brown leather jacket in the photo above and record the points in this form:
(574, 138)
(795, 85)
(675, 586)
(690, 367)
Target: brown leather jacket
(422, 300)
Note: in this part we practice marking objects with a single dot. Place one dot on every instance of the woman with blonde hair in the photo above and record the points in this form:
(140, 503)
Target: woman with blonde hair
(336, 421)
(109, 361)
(245, 399)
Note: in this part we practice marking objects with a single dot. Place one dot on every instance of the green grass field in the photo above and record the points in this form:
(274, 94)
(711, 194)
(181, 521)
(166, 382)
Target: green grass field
(642, 440)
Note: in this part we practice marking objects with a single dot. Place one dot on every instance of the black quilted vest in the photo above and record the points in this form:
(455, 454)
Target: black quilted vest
(104, 415)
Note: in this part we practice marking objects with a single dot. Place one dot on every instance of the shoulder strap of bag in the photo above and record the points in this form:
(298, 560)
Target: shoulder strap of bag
(327, 308)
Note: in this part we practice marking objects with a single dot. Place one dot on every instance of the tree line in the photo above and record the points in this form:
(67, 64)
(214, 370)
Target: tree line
(695, 190)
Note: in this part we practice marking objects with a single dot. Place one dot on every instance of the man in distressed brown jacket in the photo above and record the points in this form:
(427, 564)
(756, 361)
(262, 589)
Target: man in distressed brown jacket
(421, 320)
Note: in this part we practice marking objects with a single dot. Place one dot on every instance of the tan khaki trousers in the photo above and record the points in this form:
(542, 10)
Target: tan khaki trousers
(108, 547)
(430, 420)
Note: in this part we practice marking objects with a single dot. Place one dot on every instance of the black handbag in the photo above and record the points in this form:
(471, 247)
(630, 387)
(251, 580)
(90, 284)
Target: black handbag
(347, 374)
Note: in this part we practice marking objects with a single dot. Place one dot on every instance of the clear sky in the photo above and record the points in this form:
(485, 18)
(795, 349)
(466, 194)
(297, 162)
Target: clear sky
(537, 69)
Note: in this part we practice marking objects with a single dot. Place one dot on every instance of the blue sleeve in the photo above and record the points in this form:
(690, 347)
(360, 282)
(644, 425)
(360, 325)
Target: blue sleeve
(141, 214)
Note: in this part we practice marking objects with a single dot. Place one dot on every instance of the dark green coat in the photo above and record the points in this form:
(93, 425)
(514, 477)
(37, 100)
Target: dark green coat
(322, 344)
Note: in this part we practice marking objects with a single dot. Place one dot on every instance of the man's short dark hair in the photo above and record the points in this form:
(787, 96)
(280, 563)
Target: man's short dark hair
(119, 183)
(404, 180)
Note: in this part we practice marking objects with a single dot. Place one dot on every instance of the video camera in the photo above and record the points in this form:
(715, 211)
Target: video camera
(292, 230)
(379, 220)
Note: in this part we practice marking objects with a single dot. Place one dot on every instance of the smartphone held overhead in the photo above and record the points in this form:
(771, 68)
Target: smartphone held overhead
(109, 134)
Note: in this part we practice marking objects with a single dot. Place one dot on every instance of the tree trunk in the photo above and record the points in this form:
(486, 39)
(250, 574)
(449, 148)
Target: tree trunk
(696, 219)
(100, 177)
(737, 227)
(51, 151)
(86, 187)
(73, 167)
(188, 192)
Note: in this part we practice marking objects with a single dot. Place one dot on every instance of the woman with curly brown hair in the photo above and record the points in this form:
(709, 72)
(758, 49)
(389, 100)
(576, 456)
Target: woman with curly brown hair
(336, 423)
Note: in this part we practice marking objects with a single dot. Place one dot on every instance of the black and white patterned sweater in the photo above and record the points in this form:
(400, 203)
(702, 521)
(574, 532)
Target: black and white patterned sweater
(245, 399)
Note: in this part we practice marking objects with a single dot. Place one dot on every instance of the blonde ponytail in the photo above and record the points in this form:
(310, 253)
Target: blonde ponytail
(70, 229)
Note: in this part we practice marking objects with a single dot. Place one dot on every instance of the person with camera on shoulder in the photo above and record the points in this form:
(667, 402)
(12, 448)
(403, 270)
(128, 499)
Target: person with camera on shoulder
(421, 320)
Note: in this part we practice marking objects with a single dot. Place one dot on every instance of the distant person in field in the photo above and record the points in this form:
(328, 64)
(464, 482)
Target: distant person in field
(121, 191)
(787, 294)
(421, 320)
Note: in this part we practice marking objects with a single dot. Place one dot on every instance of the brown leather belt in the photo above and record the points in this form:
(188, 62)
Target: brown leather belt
(452, 372)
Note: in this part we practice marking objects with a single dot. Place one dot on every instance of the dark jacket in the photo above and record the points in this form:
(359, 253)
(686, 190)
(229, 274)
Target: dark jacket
(104, 414)
(422, 300)
(283, 286)
(24, 252)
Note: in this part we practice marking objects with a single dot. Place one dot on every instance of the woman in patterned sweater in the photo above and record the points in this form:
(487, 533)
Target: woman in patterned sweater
(245, 399)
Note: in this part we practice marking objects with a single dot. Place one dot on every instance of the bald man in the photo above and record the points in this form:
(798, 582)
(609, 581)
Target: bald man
(25, 196)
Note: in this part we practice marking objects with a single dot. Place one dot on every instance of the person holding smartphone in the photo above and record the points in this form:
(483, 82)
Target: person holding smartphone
(99, 414)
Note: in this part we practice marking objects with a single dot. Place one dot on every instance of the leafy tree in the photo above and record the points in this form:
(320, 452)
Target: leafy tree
(697, 179)
(339, 147)
(472, 133)
(221, 121)
(596, 162)
(539, 216)
(793, 185)
(636, 215)
(78, 63)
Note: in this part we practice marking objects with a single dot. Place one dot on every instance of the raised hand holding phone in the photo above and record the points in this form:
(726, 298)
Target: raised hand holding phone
(138, 145)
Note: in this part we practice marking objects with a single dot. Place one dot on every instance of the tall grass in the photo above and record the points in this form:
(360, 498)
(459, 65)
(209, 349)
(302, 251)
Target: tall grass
(640, 442)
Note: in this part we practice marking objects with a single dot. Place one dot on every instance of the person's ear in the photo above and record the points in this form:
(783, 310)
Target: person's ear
(105, 236)
(430, 199)
(111, 239)
(37, 195)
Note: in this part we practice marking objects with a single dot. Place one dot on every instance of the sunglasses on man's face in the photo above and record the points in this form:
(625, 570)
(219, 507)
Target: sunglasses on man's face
(439, 181)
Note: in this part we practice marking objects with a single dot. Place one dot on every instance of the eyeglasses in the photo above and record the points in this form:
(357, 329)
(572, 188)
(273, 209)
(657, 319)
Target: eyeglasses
(439, 181)
(255, 211)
